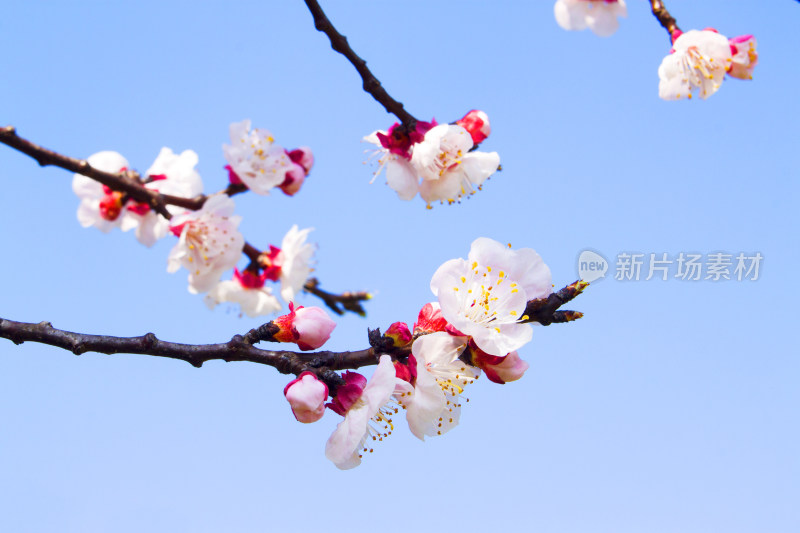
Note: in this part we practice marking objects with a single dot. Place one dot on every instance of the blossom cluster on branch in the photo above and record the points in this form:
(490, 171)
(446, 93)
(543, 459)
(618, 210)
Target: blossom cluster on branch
(485, 303)
(209, 242)
(477, 324)
(698, 61)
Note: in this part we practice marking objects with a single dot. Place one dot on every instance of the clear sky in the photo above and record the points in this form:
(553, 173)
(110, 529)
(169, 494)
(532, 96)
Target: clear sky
(672, 406)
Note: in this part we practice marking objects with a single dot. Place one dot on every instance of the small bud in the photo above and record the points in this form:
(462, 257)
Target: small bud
(308, 327)
(306, 395)
(498, 369)
(303, 157)
(476, 122)
(399, 333)
(293, 181)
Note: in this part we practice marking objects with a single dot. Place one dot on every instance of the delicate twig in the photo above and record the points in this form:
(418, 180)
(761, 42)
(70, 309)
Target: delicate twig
(664, 18)
(545, 310)
(371, 84)
(339, 303)
(129, 183)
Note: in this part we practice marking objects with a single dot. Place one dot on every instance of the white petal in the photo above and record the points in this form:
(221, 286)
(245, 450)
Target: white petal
(401, 177)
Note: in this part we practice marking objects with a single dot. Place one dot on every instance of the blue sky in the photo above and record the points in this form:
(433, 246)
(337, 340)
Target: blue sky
(672, 406)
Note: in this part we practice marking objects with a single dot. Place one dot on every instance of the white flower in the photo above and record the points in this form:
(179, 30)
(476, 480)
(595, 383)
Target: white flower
(744, 57)
(485, 295)
(255, 159)
(209, 244)
(434, 406)
(169, 174)
(246, 289)
(295, 261)
(100, 206)
(696, 65)
(400, 174)
(447, 167)
(598, 15)
(346, 444)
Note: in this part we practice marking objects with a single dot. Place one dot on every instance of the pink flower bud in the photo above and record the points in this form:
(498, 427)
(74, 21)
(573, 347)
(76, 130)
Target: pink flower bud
(308, 327)
(303, 157)
(499, 369)
(306, 395)
(293, 181)
(476, 122)
(399, 333)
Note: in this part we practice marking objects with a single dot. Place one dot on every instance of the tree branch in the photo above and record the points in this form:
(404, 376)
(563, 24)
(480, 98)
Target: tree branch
(127, 182)
(371, 84)
(545, 310)
(664, 18)
(240, 347)
(322, 363)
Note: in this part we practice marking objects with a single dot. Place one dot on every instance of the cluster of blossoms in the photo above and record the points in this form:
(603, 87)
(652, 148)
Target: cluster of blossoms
(257, 162)
(477, 324)
(699, 61)
(598, 15)
(209, 241)
(438, 161)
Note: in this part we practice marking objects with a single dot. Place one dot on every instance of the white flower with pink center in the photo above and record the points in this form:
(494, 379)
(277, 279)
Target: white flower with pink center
(447, 167)
(100, 206)
(209, 243)
(744, 57)
(696, 65)
(433, 407)
(255, 159)
(171, 174)
(367, 409)
(246, 289)
(598, 15)
(485, 295)
(395, 148)
(291, 263)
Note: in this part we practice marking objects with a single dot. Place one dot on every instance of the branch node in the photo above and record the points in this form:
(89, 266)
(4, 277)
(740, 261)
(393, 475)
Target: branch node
(150, 340)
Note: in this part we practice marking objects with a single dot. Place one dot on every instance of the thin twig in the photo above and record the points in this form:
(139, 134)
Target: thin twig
(664, 18)
(545, 310)
(371, 84)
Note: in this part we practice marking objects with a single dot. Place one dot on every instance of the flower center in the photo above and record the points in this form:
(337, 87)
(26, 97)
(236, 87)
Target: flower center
(485, 296)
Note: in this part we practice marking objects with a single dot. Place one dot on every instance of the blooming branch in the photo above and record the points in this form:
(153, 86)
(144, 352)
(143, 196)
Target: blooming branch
(371, 84)
(240, 348)
(130, 184)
